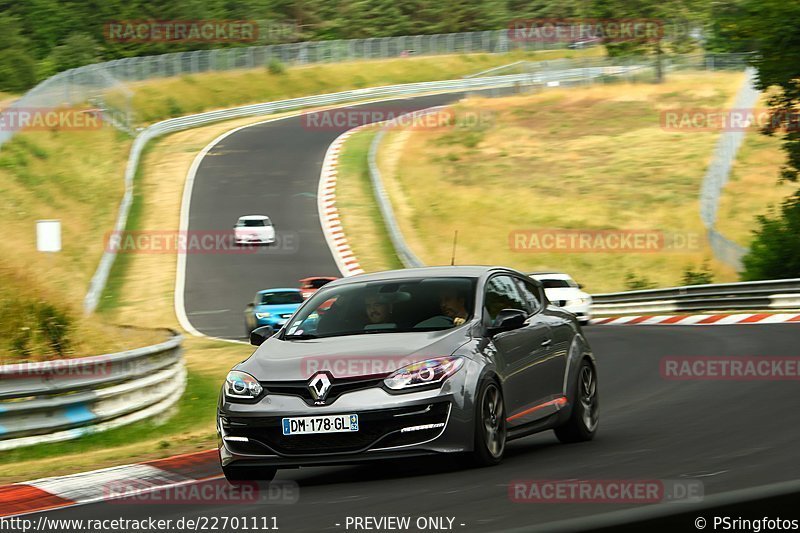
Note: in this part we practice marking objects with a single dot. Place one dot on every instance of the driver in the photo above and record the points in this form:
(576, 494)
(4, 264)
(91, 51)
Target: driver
(453, 306)
(378, 311)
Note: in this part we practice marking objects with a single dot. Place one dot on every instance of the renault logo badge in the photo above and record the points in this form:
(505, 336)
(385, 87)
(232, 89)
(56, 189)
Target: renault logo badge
(319, 385)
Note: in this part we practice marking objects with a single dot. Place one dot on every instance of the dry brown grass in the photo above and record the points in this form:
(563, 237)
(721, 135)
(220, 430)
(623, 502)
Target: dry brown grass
(584, 158)
(160, 98)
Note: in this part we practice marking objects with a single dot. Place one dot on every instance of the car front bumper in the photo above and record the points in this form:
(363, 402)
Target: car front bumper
(390, 426)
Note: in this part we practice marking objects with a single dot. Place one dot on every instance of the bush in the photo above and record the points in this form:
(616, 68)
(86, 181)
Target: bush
(35, 329)
(775, 250)
(276, 67)
(635, 283)
(702, 276)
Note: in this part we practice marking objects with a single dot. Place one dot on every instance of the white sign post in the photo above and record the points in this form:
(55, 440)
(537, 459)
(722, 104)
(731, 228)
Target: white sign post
(48, 235)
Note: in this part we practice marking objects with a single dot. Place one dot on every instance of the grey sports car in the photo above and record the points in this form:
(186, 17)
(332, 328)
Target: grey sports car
(407, 363)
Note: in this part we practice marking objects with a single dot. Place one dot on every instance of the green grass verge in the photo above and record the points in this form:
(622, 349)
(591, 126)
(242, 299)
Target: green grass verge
(361, 219)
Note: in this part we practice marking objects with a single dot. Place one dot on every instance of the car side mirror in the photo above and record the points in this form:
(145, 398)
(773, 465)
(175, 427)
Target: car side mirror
(580, 285)
(508, 319)
(259, 335)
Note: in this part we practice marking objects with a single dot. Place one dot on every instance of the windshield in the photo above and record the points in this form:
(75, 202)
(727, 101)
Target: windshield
(557, 283)
(254, 223)
(281, 298)
(419, 304)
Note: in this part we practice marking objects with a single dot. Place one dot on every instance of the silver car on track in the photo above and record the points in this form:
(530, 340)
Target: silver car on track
(407, 363)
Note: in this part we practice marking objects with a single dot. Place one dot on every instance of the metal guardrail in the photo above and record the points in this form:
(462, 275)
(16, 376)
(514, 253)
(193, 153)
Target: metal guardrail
(66, 398)
(749, 295)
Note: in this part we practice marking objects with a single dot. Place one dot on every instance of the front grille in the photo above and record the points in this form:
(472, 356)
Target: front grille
(379, 428)
(338, 387)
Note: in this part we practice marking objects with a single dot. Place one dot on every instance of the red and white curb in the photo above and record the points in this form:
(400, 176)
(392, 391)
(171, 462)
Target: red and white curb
(106, 484)
(698, 320)
(329, 214)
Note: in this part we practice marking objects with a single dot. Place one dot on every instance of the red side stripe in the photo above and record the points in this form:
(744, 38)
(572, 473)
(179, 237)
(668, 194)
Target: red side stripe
(562, 400)
(639, 319)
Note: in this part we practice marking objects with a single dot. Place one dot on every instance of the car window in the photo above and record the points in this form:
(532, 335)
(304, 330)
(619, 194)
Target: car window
(531, 293)
(255, 223)
(554, 283)
(388, 306)
(319, 283)
(502, 293)
(281, 298)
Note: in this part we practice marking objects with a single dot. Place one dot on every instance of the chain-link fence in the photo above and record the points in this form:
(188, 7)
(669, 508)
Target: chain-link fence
(717, 176)
(90, 83)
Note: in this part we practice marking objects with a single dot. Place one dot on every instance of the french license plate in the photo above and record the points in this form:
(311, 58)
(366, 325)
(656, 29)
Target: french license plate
(305, 425)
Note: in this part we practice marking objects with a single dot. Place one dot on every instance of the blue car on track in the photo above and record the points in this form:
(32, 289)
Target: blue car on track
(271, 307)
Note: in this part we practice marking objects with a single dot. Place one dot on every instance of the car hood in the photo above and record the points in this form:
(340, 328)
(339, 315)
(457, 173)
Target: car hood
(349, 356)
(564, 293)
(278, 309)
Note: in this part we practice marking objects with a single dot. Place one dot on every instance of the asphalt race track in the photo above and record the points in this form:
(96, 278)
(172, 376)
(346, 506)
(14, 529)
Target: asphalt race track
(728, 435)
(271, 169)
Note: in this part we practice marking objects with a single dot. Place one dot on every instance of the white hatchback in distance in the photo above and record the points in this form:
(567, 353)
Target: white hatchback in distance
(564, 292)
(254, 229)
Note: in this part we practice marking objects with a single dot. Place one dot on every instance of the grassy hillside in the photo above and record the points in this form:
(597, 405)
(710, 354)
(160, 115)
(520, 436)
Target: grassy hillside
(582, 159)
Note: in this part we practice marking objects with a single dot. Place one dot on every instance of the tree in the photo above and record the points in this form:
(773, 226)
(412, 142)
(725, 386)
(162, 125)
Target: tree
(78, 49)
(676, 17)
(775, 250)
(17, 65)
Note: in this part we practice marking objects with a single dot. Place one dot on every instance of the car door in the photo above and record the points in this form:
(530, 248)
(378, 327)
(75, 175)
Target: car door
(518, 351)
(548, 374)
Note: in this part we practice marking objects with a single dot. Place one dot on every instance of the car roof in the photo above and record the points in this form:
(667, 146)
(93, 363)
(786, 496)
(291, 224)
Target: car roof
(317, 277)
(464, 271)
(254, 217)
(287, 289)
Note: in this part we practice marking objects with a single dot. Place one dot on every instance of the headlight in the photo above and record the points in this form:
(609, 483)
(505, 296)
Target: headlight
(242, 385)
(424, 373)
(262, 315)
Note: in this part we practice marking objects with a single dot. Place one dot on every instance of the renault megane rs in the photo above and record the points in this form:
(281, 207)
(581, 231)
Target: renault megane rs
(408, 363)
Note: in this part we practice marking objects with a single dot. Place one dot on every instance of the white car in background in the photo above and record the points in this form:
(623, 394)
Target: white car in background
(564, 292)
(254, 229)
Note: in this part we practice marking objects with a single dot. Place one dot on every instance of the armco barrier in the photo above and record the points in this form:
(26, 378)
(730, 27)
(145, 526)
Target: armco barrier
(749, 295)
(66, 398)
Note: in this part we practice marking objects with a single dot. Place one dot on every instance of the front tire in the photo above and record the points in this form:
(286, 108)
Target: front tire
(585, 416)
(490, 426)
(239, 474)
